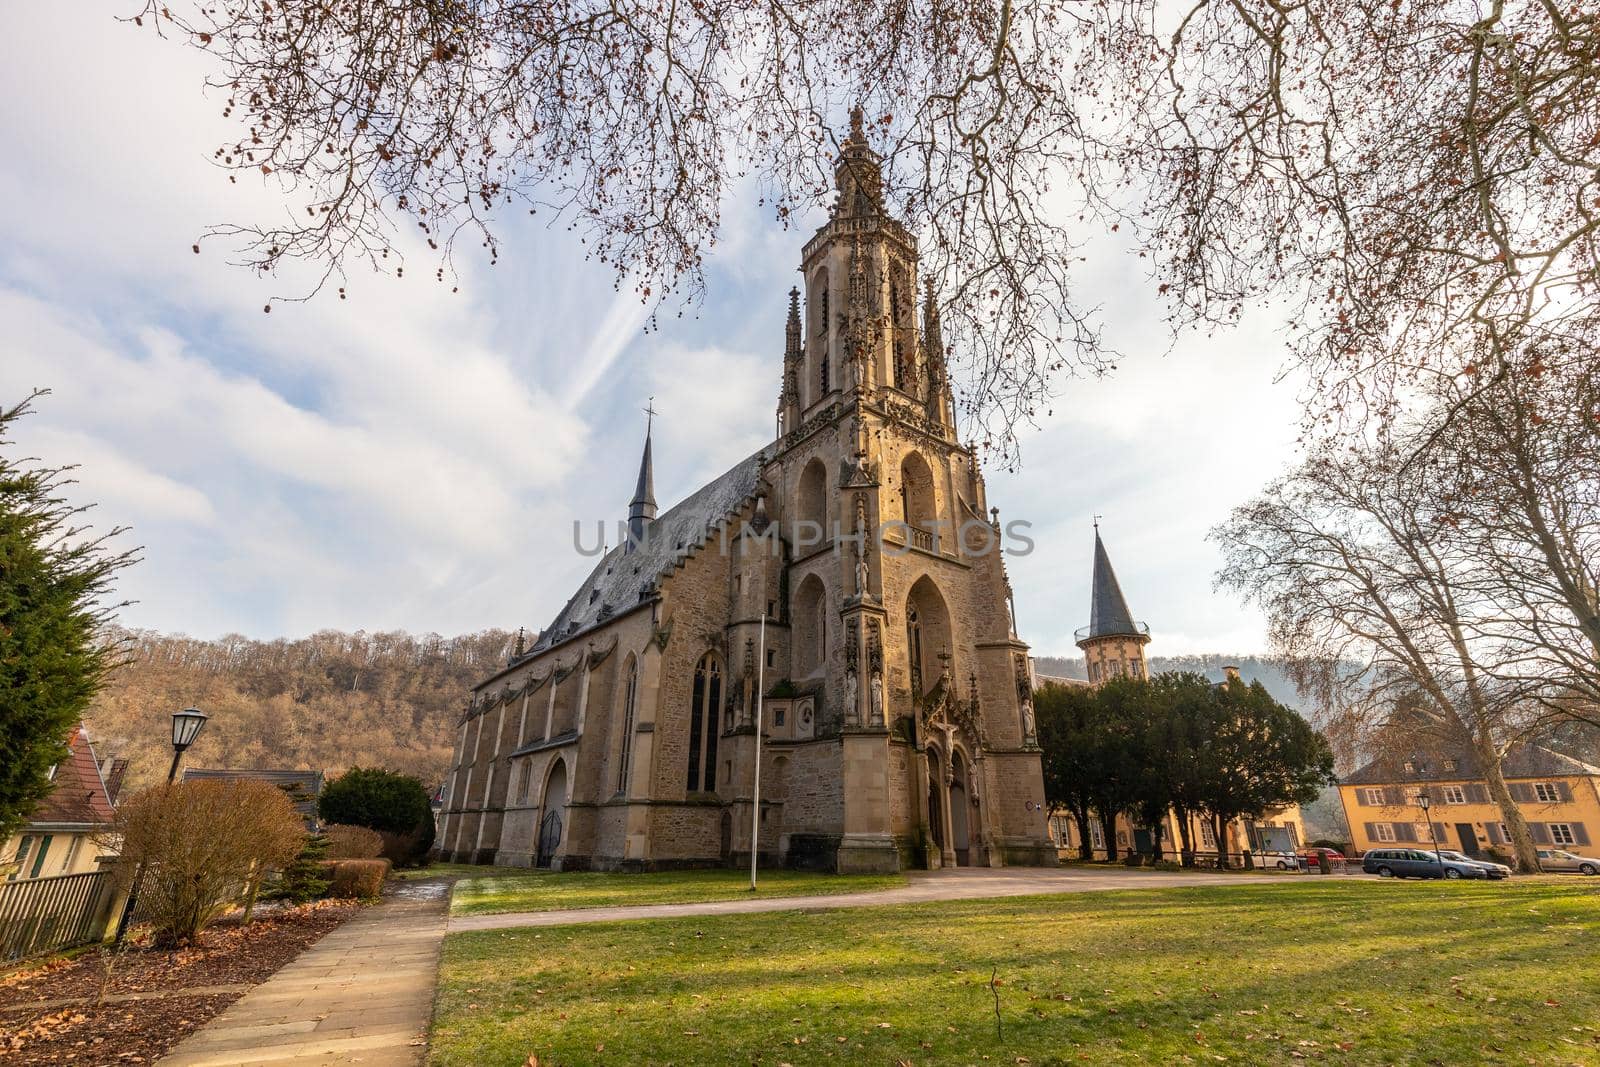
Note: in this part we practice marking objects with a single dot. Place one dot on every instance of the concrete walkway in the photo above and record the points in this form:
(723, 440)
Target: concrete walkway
(363, 994)
(961, 883)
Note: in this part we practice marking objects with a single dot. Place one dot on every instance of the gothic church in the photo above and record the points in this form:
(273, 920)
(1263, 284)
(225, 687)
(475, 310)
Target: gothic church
(896, 703)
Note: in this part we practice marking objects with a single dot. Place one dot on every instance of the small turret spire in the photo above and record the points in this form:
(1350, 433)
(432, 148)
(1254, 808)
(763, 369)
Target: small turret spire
(642, 509)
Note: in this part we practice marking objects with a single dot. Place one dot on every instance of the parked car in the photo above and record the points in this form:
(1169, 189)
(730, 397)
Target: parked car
(1494, 870)
(1415, 863)
(1283, 861)
(1557, 859)
(1309, 855)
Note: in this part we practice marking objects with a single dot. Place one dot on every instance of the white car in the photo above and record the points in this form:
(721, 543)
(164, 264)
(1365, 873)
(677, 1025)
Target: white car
(1283, 861)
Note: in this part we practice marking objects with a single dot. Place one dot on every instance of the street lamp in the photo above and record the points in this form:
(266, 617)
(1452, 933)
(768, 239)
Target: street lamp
(1424, 802)
(186, 726)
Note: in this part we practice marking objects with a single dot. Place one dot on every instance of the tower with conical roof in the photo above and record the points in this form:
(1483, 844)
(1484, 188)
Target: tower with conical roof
(1113, 643)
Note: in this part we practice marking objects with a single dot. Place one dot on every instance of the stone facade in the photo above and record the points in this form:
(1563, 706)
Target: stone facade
(848, 580)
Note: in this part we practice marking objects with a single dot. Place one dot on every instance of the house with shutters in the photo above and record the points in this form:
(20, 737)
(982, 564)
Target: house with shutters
(1559, 797)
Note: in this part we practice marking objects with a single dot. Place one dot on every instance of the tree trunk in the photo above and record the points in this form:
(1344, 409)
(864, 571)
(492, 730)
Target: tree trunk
(1218, 826)
(1516, 826)
(1156, 855)
(1185, 837)
(1085, 849)
(1108, 827)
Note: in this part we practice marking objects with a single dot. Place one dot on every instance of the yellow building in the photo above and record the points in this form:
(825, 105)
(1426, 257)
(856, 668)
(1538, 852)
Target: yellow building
(1559, 797)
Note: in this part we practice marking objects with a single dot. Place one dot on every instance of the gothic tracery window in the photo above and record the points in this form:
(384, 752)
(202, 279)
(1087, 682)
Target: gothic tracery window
(630, 695)
(705, 723)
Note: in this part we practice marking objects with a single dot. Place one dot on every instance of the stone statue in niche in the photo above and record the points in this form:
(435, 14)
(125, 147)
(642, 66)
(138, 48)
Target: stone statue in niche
(852, 683)
(875, 669)
(1030, 729)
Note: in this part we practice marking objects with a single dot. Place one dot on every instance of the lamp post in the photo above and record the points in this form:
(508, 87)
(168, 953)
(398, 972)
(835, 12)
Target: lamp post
(186, 726)
(1424, 802)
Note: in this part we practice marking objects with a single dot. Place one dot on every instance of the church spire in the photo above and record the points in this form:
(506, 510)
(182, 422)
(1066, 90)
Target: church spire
(642, 509)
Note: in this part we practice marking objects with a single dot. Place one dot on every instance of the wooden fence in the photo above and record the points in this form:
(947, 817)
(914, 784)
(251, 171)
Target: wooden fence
(47, 914)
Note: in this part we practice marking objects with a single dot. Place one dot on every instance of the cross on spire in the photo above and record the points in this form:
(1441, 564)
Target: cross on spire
(650, 415)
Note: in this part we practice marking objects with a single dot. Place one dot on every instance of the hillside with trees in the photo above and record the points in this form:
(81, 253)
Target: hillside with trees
(1252, 668)
(324, 702)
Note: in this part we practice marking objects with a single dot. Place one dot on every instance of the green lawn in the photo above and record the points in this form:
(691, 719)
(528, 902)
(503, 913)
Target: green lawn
(456, 870)
(1343, 971)
(545, 891)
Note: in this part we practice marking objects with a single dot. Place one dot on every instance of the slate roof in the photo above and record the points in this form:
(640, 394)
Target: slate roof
(622, 578)
(302, 786)
(1108, 608)
(77, 796)
(1429, 761)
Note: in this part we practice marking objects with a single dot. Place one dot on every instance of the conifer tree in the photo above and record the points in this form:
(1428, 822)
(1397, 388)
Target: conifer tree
(55, 576)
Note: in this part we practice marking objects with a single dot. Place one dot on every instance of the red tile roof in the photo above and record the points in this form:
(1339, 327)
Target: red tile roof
(78, 797)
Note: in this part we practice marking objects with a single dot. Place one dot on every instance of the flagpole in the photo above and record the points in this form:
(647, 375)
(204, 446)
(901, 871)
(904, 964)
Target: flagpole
(755, 809)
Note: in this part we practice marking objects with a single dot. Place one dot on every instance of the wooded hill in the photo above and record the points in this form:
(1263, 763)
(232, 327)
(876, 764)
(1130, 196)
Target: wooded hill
(1253, 668)
(325, 702)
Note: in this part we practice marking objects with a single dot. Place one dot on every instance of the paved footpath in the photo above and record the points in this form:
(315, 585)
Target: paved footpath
(363, 994)
(961, 883)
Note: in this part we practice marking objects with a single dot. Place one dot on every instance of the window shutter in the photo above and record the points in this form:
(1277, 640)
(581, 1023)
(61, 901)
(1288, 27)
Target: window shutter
(1393, 794)
(1440, 834)
(1579, 833)
(1404, 831)
(1541, 836)
(1372, 831)
(1521, 792)
(1565, 792)
(1477, 793)
(1361, 798)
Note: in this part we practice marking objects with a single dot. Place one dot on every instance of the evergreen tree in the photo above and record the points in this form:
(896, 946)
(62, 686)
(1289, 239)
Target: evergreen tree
(306, 879)
(395, 805)
(54, 579)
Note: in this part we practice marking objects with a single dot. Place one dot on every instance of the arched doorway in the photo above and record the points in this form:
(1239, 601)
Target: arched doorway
(552, 821)
(960, 831)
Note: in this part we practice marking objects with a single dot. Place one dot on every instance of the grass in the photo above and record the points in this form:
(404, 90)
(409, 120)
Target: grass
(1346, 972)
(549, 891)
(455, 870)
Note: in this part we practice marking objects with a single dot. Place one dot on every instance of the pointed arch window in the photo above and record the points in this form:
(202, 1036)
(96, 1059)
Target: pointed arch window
(914, 643)
(630, 696)
(705, 723)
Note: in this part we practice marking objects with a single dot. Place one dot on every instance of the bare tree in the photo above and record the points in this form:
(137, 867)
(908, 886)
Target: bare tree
(1418, 181)
(1518, 466)
(631, 122)
(1376, 613)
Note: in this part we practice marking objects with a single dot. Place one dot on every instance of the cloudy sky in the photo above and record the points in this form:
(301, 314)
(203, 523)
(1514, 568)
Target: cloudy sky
(412, 458)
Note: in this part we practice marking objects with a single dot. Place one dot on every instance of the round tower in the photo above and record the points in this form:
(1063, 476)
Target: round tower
(1113, 643)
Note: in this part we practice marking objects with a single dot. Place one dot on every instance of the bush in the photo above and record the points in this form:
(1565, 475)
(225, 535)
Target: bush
(306, 878)
(200, 844)
(395, 805)
(1341, 847)
(358, 879)
(353, 842)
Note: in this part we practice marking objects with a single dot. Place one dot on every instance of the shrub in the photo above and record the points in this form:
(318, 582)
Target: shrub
(358, 879)
(1341, 847)
(395, 805)
(306, 878)
(200, 844)
(353, 842)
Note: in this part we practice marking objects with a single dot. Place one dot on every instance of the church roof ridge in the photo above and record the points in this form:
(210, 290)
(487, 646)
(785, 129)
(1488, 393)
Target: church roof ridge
(622, 579)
